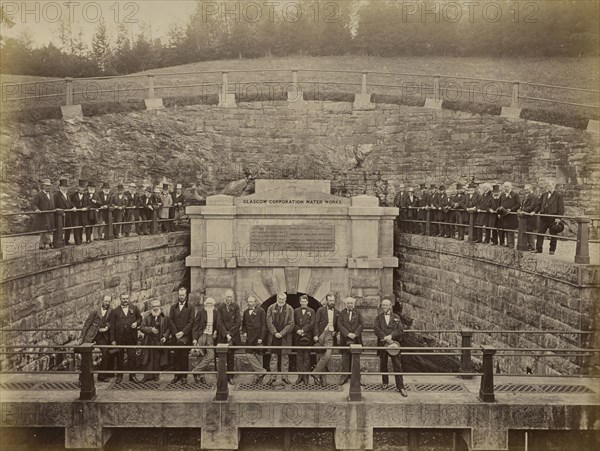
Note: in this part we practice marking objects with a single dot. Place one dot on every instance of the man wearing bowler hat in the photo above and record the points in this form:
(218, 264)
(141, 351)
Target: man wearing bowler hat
(166, 204)
(44, 222)
(63, 202)
(80, 201)
(388, 329)
(304, 324)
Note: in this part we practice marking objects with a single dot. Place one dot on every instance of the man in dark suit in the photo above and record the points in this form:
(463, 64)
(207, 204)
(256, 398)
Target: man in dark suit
(181, 320)
(439, 201)
(482, 232)
(125, 322)
(231, 319)
(80, 200)
(280, 324)
(137, 205)
(104, 204)
(96, 330)
(207, 327)
(146, 207)
(128, 213)
(459, 206)
(529, 203)
(254, 329)
(398, 202)
(304, 323)
(494, 215)
(350, 324)
(44, 222)
(446, 202)
(509, 222)
(410, 203)
(423, 204)
(388, 328)
(324, 335)
(63, 202)
(471, 203)
(119, 201)
(550, 203)
(178, 204)
(92, 218)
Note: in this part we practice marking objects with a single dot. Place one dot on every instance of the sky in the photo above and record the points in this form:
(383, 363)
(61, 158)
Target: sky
(40, 20)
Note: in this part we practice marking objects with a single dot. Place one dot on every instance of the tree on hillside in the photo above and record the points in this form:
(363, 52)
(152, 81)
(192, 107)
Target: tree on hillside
(101, 47)
(122, 51)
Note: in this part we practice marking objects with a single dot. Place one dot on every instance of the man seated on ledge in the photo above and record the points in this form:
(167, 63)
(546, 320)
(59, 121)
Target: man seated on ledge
(388, 329)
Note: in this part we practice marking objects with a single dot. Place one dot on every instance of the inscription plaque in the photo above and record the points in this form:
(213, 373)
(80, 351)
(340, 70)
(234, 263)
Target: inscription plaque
(296, 237)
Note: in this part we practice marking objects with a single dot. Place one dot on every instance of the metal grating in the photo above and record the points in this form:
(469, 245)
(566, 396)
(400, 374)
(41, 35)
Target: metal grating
(544, 388)
(303, 388)
(58, 386)
(437, 388)
(17, 385)
(149, 386)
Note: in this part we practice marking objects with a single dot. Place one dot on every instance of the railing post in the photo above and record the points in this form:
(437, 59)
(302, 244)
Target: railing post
(428, 222)
(472, 226)
(486, 389)
(363, 89)
(86, 377)
(354, 394)
(295, 79)
(514, 102)
(466, 364)
(59, 221)
(154, 223)
(225, 86)
(436, 88)
(582, 253)
(69, 89)
(522, 234)
(110, 233)
(222, 385)
(150, 86)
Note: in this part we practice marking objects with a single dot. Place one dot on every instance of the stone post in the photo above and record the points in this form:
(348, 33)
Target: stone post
(69, 90)
(513, 111)
(222, 385)
(522, 234)
(295, 96)
(471, 226)
(436, 102)
(486, 389)
(514, 101)
(582, 253)
(226, 99)
(152, 103)
(70, 110)
(466, 364)
(362, 101)
(59, 221)
(428, 222)
(110, 233)
(354, 394)
(86, 377)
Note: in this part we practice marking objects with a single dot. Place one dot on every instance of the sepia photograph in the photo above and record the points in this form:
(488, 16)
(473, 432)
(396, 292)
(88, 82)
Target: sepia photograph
(300, 225)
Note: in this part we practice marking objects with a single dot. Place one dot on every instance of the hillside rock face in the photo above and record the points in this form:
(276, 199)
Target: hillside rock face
(215, 150)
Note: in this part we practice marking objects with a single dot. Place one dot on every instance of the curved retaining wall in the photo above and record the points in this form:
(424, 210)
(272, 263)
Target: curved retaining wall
(446, 284)
(58, 288)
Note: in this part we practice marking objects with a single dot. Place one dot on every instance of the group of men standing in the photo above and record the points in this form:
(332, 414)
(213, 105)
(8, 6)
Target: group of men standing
(495, 208)
(278, 327)
(87, 210)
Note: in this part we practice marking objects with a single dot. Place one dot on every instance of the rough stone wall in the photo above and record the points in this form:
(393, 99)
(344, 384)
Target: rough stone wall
(446, 284)
(221, 150)
(58, 288)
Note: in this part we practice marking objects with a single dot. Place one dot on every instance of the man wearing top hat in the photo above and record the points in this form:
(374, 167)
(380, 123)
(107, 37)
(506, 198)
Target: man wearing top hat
(92, 217)
(388, 329)
(63, 202)
(350, 325)
(459, 214)
(43, 201)
(471, 202)
(146, 209)
(155, 327)
(166, 203)
(304, 322)
(119, 201)
(80, 200)
(178, 203)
